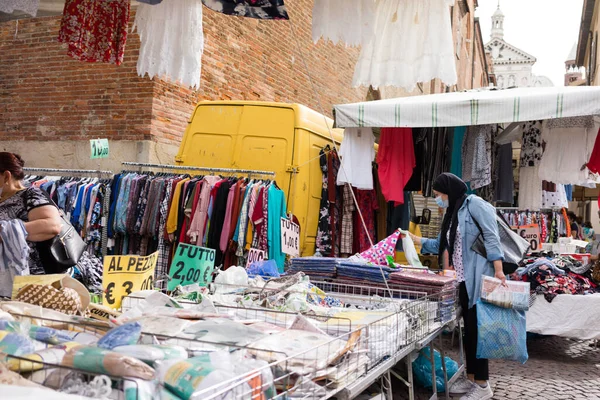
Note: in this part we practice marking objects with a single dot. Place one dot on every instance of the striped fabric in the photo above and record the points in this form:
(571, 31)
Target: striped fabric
(14, 250)
(471, 108)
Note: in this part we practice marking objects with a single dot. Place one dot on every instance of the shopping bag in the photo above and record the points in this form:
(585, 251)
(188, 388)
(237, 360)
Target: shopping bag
(513, 295)
(409, 250)
(502, 333)
(423, 371)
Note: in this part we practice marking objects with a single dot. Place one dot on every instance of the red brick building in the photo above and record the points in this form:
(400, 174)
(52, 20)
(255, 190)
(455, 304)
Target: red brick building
(51, 105)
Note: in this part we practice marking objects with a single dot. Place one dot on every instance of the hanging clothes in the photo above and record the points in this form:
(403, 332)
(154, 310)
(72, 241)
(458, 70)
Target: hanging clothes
(436, 152)
(259, 9)
(593, 163)
(277, 210)
(555, 199)
(324, 242)
(504, 179)
(349, 207)
(395, 161)
(412, 42)
(415, 183)
(568, 146)
(95, 31)
(456, 163)
(531, 144)
(167, 53)
(357, 153)
(477, 155)
(27, 6)
(368, 205)
(331, 20)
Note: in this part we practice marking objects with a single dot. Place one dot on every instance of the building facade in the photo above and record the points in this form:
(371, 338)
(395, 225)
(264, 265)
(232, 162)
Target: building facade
(587, 46)
(51, 105)
(512, 66)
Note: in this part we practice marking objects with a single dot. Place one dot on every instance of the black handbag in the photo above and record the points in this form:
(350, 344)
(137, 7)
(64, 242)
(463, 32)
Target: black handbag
(513, 245)
(62, 251)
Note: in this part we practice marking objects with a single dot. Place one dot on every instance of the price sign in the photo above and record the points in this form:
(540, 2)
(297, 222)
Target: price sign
(255, 255)
(290, 237)
(531, 233)
(123, 275)
(99, 148)
(191, 264)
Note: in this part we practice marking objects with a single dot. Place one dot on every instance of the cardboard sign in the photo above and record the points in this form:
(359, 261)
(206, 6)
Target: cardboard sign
(290, 237)
(191, 264)
(255, 255)
(99, 148)
(102, 313)
(531, 233)
(123, 275)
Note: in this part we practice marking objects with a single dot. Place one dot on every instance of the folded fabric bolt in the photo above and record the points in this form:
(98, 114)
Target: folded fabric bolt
(121, 336)
(541, 262)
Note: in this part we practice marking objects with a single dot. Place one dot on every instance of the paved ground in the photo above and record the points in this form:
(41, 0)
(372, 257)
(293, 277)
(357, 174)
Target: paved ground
(557, 368)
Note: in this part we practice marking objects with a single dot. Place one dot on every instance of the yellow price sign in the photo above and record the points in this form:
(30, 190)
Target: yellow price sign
(123, 275)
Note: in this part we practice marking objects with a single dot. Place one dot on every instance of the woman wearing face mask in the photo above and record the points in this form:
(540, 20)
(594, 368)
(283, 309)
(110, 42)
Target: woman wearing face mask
(32, 206)
(459, 231)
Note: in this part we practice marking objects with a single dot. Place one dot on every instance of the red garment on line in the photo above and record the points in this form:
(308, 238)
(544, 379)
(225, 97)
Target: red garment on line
(396, 161)
(96, 31)
(594, 163)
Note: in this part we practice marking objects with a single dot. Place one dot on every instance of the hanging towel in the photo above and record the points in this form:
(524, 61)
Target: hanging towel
(343, 21)
(378, 253)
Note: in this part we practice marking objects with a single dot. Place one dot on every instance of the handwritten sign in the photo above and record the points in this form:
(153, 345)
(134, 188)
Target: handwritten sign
(531, 233)
(255, 255)
(99, 148)
(290, 237)
(123, 275)
(191, 264)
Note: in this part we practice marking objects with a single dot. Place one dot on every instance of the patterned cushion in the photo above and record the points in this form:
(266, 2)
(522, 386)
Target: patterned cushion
(65, 300)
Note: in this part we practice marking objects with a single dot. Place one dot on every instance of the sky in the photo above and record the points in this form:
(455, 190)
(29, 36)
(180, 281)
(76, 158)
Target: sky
(546, 29)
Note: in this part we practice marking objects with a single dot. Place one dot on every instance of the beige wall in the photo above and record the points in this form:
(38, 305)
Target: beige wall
(595, 35)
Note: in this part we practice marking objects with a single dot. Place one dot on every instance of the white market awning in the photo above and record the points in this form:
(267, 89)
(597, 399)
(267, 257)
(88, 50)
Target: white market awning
(471, 108)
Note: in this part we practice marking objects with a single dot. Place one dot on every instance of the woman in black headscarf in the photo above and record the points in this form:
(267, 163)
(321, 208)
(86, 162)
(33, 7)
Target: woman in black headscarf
(466, 218)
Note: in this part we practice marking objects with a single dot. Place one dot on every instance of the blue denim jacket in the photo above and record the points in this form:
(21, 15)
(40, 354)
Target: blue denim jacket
(475, 266)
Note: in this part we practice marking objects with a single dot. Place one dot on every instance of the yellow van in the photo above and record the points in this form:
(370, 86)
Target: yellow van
(276, 137)
(279, 137)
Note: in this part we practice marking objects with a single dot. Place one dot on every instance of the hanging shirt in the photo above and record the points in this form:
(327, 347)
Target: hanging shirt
(395, 160)
(276, 211)
(174, 211)
(412, 42)
(198, 221)
(264, 9)
(168, 53)
(95, 31)
(357, 153)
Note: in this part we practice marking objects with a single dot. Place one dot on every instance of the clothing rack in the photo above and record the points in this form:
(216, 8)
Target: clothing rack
(68, 171)
(106, 205)
(187, 168)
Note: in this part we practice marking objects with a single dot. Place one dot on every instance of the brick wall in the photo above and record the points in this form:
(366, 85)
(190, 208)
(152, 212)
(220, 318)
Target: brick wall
(45, 95)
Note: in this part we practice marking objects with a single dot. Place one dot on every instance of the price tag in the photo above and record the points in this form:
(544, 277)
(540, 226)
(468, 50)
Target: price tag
(531, 233)
(255, 255)
(99, 148)
(290, 237)
(123, 275)
(191, 264)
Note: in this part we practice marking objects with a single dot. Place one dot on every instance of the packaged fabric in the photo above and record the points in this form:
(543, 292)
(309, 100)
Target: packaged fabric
(15, 344)
(513, 295)
(41, 333)
(51, 355)
(4, 316)
(502, 333)
(264, 268)
(137, 389)
(410, 252)
(204, 376)
(223, 331)
(121, 336)
(133, 306)
(423, 373)
(266, 327)
(165, 326)
(102, 361)
(318, 351)
(150, 354)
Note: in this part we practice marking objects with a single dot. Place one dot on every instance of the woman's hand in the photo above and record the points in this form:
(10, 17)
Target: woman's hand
(416, 240)
(500, 275)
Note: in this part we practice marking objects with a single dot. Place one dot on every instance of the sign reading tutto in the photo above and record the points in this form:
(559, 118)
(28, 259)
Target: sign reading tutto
(191, 264)
(123, 275)
(290, 238)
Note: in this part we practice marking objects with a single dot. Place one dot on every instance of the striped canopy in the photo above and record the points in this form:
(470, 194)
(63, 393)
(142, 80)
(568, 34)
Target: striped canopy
(471, 108)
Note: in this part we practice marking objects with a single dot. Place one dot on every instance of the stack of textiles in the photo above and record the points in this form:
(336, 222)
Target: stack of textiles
(316, 268)
(548, 279)
(83, 202)
(356, 272)
(440, 289)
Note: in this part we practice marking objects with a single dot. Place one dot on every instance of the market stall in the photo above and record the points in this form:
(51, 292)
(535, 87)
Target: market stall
(569, 129)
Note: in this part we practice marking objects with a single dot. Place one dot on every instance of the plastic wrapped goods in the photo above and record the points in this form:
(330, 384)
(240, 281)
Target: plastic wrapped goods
(52, 355)
(150, 354)
(101, 361)
(121, 336)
